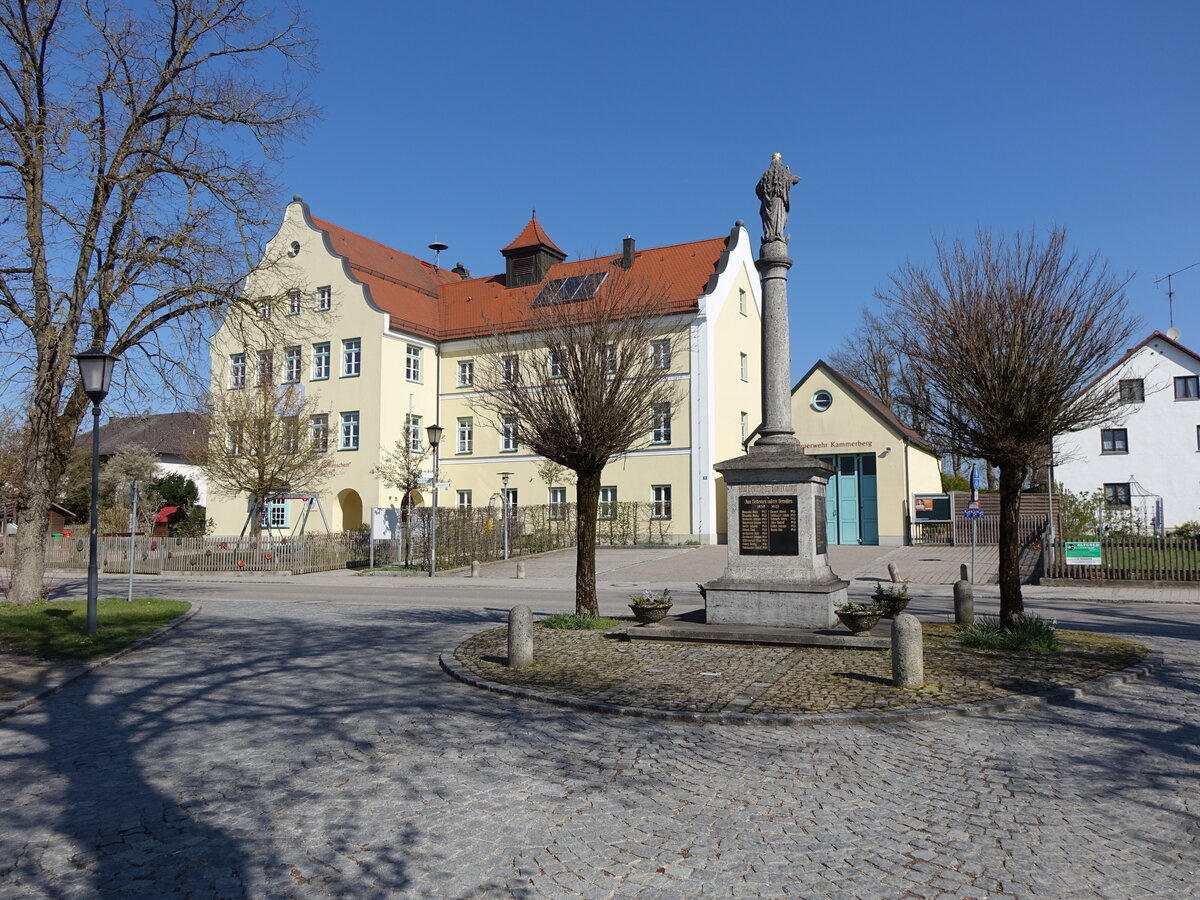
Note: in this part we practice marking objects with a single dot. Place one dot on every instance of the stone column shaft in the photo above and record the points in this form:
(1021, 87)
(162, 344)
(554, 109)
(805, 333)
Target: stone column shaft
(773, 264)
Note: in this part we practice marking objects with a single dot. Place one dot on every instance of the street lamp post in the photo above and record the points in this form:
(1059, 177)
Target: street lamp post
(504, 476)
(434, 433)
(95, 371)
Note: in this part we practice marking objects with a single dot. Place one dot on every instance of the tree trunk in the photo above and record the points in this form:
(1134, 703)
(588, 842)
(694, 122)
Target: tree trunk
(1012, 606)
(587, 497)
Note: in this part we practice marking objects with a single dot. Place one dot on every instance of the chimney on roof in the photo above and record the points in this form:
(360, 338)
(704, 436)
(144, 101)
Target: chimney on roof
(627, 254)
(461, 271)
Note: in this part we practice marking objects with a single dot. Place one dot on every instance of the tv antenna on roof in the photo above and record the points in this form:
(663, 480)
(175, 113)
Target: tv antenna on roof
(437, 247)
(1171, 293)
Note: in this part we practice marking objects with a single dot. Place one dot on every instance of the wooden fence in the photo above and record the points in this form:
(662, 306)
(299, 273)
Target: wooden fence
(1133, 558)
(958, 532)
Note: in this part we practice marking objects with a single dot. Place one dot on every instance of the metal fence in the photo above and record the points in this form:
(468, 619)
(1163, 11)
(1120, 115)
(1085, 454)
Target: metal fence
(958, 532)
(1132, 558)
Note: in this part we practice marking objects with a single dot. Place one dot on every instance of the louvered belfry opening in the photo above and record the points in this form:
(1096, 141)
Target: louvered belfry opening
(529, 257)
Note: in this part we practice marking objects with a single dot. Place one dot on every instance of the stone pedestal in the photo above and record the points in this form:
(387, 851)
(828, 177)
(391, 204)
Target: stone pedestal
(778, 570)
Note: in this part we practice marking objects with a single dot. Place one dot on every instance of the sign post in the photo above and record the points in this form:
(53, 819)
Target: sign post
(974, 513)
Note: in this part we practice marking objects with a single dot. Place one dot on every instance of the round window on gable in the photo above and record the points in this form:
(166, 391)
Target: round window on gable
(821, 401)
(294, 248)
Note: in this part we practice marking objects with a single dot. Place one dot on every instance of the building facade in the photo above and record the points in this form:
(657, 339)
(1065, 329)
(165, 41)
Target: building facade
(1146, 459)
(386, 344)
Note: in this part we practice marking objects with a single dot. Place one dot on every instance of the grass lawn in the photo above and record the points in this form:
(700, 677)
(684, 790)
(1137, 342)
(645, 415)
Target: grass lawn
(57, 630)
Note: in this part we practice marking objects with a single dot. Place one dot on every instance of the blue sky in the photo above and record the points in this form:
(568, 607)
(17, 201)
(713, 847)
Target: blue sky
(450, 121)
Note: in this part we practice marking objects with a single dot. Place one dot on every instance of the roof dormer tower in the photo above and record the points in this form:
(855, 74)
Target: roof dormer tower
(529, 257)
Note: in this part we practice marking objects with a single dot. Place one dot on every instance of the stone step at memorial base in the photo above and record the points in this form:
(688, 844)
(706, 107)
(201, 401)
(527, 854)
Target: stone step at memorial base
(692, 627)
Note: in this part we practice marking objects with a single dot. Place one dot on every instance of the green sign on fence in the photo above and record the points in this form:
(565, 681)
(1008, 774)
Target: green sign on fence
(1083, 553)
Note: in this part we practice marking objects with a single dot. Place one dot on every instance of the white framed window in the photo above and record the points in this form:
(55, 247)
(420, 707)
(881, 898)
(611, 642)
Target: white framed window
(349, 431)
(466, 435)
(412, 430)
(264, 309)
(1187, 387)
(745, 427)
(412, 363)
(324, 298)
(660, 504)
(274, 514)
(318, 431)
(742, 301)
(264, 370)
(235, 439)
(508, 434)
(510, 368)
(660, 352)
(607, 507)
(510, 499)
(351, 357)
(291, 434)
(1114, 440)
(661, 424)
(291, 365)
(320, 368)
(466, 372)
(558, 503)
(464, 500)
(293, 303)
(555, 365)
(237, 370)
(743, 367)
(610, 360)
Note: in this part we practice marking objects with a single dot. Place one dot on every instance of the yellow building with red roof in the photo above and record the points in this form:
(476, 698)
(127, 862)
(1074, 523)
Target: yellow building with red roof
(384, 344)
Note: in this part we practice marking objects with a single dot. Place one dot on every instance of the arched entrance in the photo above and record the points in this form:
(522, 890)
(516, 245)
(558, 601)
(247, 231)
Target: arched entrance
(352, 509)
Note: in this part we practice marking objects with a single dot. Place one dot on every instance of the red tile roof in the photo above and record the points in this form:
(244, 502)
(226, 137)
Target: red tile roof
(532, 235)
(437, 304)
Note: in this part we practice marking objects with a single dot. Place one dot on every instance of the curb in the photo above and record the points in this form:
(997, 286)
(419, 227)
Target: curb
(1140, 670)
(15, 706)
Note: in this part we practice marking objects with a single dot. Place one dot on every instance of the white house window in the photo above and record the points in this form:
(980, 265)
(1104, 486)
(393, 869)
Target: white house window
(607, 508)
(466, 434)
(412, 428)
(661, 424)
(237, 370)
(610, 360)
(275, 514)
(660, 352)
(412, 363)
(508, 435)
(510, 367)
(742, 301)
(745, 426)
(291, 365)
(466, 372)
(351, 357)
(265, 370)
(510, 498)
(660, 506)
(1117, 494)
(265, 309)
(743, 367)
(293, 303)
(1133, 390)
(464, 500)
(324, 298)
(320, 361)
(349, 440)
(821, 401)
(555, 365)
(235, 440)
(558, 503)
(1187, 387)
(318, 429)
(291, 434)
(1114, 440)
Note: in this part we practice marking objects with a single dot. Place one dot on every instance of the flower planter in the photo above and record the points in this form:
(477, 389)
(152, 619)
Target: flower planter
(890, 606)
(859, 622)
(649, 614)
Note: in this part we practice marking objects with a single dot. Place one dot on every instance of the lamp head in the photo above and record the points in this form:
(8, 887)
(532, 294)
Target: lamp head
(96, 371)
(434, 433)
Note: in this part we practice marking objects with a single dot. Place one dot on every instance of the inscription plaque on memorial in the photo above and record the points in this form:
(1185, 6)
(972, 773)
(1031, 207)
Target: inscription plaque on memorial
(767, 526)
(819, 524)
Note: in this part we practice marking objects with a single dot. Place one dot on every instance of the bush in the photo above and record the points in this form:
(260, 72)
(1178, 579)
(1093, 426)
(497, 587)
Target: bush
(1186, 530)
(1031, 633)
(571, 622)
(954, 483)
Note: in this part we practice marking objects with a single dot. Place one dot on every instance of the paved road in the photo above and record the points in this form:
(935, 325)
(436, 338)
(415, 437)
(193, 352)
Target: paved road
(310, 747)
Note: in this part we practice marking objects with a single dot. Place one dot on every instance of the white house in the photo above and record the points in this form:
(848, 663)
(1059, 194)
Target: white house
(1146, 459)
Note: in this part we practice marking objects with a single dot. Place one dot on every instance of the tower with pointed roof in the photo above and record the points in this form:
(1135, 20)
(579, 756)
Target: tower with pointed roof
(530, 255)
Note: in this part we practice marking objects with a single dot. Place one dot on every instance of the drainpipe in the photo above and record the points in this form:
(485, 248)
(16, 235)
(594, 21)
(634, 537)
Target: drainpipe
(907, 500)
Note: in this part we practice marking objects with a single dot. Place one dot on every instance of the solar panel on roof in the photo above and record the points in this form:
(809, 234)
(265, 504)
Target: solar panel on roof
(570, 289)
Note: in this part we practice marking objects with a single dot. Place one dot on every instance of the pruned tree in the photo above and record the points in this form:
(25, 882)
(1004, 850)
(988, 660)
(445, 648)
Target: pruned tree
(262, 441)
(401, 469)
(1011, 334)
(580, 384)
(132, 181)
(131, 464)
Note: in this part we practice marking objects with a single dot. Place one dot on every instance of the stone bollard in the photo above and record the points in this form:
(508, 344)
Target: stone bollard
(892, 571)
(963, 574)
(474, 568)
(520, 636)
(964, 603)
(908, 652)
(520, 570)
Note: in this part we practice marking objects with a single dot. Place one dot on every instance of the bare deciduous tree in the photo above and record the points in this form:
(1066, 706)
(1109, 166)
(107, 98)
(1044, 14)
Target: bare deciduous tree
(579, 384)
(261, 441)
(1009, 333)
(132, 140)
(401, 468)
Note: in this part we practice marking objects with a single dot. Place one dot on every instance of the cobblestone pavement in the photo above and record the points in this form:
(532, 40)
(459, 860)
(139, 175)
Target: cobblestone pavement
(273, 749)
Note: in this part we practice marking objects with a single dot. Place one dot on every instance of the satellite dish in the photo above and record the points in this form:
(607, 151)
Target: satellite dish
(1173, 333)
